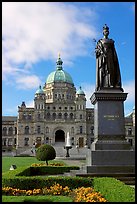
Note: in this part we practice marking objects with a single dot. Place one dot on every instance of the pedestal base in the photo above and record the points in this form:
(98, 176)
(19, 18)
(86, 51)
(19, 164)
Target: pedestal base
(109, 161)
(110, 145)
(110, 152)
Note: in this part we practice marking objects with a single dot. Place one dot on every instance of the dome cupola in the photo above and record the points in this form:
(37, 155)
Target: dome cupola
(80, 91)
(39, 91)
(59, 75)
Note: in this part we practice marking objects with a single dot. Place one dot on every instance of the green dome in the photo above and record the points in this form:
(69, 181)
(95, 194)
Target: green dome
(80, 92)
(39, 91)
(59, 75)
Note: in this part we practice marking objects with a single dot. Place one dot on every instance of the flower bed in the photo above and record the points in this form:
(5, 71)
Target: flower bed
(44, 164)
(82, 194)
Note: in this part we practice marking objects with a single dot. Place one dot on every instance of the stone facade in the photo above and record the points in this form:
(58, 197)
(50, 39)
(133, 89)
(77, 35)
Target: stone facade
(58, 109)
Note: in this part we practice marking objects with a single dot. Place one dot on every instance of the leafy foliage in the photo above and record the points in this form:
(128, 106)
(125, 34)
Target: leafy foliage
(45, 153)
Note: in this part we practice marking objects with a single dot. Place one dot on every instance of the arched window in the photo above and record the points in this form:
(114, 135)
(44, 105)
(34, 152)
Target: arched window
(15, 141)
(47, 140)
(81, 129)
(38, 115)
(71, 115)
(4, 131)
(27, 130)
(72, 130)
(10, 131)
(48, 115)
(72, 140)
(130, 141)
(65, 115)
(80, 116)
(38, 129)
(129, 131)
(29, 116)
(89, 117)
(92, 130)
(26, 140)
(4, 142)
(60, 115)
(15, 130)
(47, 129)
(54, 116)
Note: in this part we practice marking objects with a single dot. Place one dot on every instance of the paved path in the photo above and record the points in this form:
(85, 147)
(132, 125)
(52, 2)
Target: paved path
(73, 162)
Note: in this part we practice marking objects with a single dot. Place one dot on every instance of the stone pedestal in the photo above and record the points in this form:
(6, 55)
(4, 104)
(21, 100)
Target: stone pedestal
(110, 152)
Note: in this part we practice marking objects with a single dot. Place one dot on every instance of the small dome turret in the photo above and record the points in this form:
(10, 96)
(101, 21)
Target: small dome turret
(39, 91)
(80, 91)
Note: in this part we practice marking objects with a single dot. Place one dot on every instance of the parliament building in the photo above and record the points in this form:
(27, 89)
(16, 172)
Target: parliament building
(58, 109)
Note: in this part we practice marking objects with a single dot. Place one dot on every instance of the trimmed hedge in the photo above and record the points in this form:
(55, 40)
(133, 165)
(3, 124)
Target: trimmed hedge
(114, 190)
(19, 178)
(51, 170)
(47, 170)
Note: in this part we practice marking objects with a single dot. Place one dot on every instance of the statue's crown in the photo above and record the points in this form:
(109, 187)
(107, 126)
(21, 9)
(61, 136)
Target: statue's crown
(105, 27)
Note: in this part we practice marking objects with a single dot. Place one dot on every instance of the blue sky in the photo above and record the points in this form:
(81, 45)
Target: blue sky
(33, 33)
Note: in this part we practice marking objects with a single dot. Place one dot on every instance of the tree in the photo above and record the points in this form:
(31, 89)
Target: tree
(45, 153)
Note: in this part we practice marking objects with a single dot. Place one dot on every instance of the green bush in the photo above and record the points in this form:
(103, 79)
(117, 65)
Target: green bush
(45, 153)
(33, 182)
(19, 178)
(114, 190)
(51, 170)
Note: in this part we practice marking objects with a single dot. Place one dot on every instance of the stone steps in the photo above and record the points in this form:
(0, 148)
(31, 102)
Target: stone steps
(127, 178)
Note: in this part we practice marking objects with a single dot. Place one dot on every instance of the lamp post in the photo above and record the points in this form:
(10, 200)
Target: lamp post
(34, 148)
(68, 145)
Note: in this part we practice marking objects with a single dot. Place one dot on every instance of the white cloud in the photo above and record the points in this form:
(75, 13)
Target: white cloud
(129, 87)
(32, 31)
(28, 82)
(30, 104)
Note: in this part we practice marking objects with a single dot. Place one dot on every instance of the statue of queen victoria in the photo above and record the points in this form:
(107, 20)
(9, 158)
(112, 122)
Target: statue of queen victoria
(107, 65)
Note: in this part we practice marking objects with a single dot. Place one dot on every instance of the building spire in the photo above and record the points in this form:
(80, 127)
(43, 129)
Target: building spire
(58, 55)
(59, 62)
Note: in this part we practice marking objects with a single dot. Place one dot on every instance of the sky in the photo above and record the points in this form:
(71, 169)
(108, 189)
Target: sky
(33, 33)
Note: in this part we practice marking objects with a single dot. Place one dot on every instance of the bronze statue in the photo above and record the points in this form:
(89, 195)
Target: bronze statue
(107, 66)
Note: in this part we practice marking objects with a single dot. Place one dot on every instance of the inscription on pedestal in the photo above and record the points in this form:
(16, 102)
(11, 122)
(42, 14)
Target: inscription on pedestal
(111, 117)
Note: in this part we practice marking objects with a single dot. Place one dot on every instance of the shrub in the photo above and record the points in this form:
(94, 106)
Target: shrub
(45, 152)
(16, 179)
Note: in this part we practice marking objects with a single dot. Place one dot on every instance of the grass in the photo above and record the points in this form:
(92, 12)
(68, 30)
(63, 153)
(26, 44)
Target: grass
(118, 193)
(21, 161)
(47, 198)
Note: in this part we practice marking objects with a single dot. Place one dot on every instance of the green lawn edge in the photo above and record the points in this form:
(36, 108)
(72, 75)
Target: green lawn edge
(42, 198)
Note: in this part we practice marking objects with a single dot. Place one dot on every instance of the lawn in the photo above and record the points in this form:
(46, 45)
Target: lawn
(112, 189)
(36, 199)
(20, 161)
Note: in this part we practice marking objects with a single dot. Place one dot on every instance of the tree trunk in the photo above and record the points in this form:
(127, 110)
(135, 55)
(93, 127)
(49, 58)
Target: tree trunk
(47, 162)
